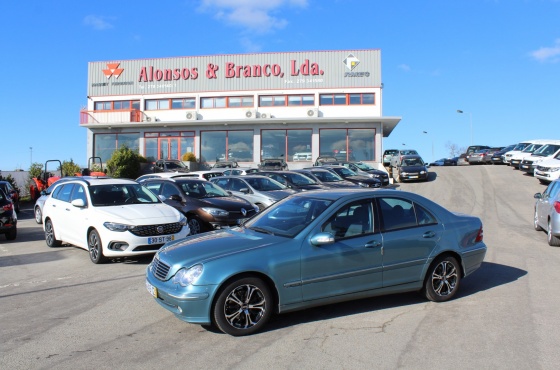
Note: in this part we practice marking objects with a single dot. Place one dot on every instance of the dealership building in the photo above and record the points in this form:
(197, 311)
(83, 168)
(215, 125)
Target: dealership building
(243, 107)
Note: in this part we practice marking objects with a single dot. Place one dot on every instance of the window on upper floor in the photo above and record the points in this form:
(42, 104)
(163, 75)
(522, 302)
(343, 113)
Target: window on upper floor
(116, 105)
(347, 99)
(227, 102)
(286, 100)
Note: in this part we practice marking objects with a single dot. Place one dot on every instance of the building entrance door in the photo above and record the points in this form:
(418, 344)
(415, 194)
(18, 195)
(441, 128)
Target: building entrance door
(168, 148)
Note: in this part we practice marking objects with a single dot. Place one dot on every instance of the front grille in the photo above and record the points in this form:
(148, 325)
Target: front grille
(543, 168)
(160, 269)
(151, 230)
(238, 214)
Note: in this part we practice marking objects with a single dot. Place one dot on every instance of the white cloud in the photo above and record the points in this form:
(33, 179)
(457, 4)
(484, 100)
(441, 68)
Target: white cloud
(404, 67)
(255, 15)
(547, 54)
(98, 23)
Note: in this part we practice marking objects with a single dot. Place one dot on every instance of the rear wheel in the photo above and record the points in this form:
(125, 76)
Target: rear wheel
(95, 247)
(50, 238)
(553, 241)
(442, 280)
(11, 235)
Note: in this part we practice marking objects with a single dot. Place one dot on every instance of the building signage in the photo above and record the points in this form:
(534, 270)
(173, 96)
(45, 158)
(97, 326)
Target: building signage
(236, 72)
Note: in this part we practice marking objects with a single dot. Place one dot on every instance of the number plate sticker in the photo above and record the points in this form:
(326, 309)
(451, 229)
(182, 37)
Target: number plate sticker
(160, 239)
(151, 289)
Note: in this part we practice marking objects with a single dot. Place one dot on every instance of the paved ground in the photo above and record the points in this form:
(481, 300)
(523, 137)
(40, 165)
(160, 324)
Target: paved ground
(58, 310)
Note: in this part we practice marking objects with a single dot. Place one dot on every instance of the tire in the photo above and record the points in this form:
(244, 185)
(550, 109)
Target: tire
(442, 280)
(536, 222)
(242, 307)
(11, 235)
(553, 241)
(95, 247)
(38, 215)
(50, 237)
(196, 226)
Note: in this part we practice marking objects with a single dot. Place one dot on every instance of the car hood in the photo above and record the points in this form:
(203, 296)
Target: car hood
(361, 178)
(552, 162)
(139, 214)
(226, 203)
(278, 194)
(201, 248)
(341, 184)
(413, 168)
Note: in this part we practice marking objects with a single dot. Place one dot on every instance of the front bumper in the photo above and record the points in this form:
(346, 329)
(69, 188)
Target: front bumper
(191, 304)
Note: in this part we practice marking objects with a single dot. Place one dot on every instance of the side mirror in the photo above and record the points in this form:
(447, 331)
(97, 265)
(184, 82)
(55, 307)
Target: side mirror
(78, 203)
(538, 196)
(322, 239)
(176, 197)
(244, 190)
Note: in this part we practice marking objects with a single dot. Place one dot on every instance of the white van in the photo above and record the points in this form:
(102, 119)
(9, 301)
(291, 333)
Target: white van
(547, 151)
(548, 170)
(514, 157)
(518, 148)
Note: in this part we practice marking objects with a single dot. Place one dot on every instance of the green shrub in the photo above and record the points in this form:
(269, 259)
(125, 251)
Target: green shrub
(125, 163)
(69, 168)
(188, 157)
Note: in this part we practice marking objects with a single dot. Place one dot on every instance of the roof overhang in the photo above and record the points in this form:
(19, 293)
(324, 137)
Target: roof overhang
(388, 124)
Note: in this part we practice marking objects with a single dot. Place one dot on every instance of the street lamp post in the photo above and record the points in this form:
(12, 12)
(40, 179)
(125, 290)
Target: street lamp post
(470, 120)
(433, 158)
(31, 155)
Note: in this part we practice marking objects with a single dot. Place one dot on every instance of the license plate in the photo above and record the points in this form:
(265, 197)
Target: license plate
(151, 289)
(160, 239)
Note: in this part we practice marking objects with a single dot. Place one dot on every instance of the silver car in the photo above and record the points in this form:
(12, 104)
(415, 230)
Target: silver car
(262, 191)
(547, 212)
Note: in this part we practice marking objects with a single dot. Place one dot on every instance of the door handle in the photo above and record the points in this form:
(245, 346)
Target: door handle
(373, 244)
(429, 234)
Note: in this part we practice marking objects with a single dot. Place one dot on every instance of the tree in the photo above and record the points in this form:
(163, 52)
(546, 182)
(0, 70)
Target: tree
(125, 162)
(69, 168)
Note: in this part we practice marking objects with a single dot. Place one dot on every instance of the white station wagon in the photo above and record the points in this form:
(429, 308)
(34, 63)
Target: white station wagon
(110, 218)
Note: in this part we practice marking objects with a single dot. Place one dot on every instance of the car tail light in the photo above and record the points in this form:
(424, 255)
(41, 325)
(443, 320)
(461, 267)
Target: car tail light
(8, 207)
(479, 236)
(556, 206)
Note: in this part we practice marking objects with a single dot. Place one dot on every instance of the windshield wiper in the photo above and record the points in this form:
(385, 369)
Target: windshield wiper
(261, 230)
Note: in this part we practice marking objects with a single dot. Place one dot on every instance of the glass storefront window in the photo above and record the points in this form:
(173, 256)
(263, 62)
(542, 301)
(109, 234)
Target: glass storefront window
(275, 142)
(348, 144)
(226, 145)
(106, 144)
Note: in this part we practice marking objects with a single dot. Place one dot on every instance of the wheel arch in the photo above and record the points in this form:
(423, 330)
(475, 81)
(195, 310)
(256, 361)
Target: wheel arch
(453, 254)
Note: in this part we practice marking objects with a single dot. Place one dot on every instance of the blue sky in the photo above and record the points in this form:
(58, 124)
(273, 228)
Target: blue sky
(496, 60)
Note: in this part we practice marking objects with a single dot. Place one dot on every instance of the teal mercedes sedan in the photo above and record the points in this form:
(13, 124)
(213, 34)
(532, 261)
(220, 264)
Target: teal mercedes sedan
(315, 248)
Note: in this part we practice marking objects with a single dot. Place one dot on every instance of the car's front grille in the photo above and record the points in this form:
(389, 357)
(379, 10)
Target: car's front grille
(160, 269)
(155, 230)
(238, 214)
(543, 168)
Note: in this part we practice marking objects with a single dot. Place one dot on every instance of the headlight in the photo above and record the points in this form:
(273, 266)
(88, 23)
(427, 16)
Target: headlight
(113, 226)
(257, 209)
(185, 277)
(183, 220)
(554, 169)
(216, 212)
(363, 185)
(404, 173)
(422, 172)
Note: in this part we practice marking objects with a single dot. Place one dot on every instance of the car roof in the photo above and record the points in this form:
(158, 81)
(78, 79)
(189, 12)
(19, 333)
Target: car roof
(102, 180)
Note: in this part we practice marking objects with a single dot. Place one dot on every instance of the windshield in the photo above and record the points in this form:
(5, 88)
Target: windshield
(364, 166)
(264, 184)
(298, 179)
(531, 148)
(288, 217)
(343, 171)
(520, 146)
(202, 189)
(173, 165)
(120, 194)
(412, 162)
(547, 150)
(327, 176)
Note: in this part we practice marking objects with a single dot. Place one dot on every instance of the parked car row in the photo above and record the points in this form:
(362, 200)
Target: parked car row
(8, 216)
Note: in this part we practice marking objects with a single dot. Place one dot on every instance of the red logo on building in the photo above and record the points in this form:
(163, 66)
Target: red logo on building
(113, 70)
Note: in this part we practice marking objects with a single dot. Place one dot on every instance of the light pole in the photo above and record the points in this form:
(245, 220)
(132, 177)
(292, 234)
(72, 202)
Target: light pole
(31, 155)
(433, 159)
(470, 120)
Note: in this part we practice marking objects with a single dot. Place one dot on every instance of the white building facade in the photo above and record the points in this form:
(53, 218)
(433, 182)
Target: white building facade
(246, 107)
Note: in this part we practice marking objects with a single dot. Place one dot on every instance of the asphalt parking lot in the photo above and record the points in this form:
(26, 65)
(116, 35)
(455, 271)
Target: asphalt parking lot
(58, 310)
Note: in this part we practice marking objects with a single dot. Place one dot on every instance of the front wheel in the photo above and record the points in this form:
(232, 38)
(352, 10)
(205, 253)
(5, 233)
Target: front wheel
(442, 280)
(38, 215)
(553, 241)
(195, 225)
(243, 307)
(536, 221)
(50, 238)
(95, 247)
